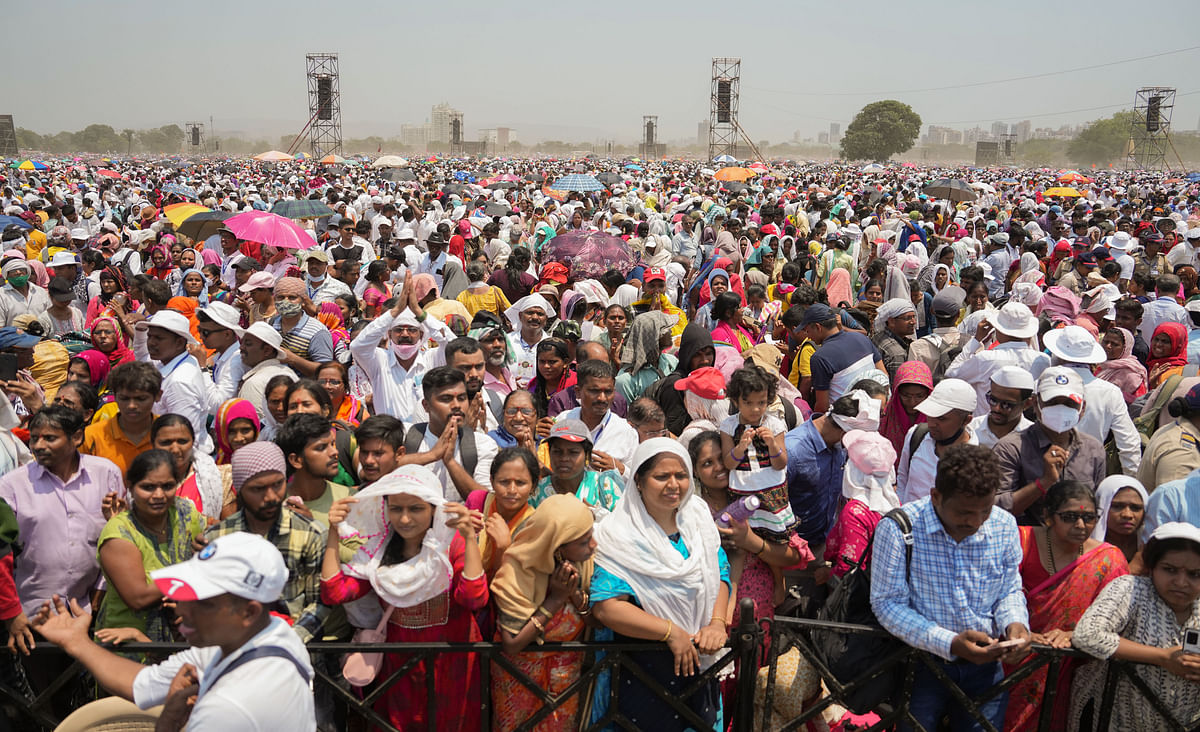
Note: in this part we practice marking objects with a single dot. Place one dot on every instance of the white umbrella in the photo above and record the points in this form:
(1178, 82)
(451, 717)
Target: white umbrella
(873, 168)
(707, 171)
(390, 161)
(981, 186)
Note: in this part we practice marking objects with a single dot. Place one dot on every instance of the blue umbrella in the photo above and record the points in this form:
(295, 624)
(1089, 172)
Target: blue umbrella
(178, 190)
(1193, 177)
(724, 159)
(7, 221)
(461, 175)
(577, 182)
(631, 166)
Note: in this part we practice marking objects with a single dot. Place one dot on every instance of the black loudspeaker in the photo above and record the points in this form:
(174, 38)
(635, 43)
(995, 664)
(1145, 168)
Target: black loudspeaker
(195, 137)
(1008, 148)
(324, 98)
(1152, 114)
(456, 131)
(723, 87)
(650, 133)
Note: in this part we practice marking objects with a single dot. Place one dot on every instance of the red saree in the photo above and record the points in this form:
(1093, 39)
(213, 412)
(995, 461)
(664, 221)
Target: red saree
(1057, 603)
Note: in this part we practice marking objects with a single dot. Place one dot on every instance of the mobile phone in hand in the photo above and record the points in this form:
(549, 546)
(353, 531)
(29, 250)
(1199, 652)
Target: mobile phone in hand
(8, 366)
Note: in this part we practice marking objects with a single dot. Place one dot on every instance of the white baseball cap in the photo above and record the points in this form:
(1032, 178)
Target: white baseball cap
(267, 334)
(1012, 377)
(1075, 345)
(241, 564)
(63, 259)
(949, 394)
(1059, 381)
(172, 321)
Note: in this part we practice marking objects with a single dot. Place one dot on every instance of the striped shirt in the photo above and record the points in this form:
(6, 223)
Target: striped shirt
(951, 586)
(310, 339)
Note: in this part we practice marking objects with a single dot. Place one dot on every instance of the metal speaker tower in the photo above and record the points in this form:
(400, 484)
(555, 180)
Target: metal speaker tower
(324, 104)
(1150, 128)
(723, 107)
(194, 134)
(650, 147)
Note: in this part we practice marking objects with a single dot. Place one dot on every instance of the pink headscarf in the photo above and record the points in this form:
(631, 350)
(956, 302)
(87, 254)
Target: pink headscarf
(838, 289)
(1125, 371)
(896, 422)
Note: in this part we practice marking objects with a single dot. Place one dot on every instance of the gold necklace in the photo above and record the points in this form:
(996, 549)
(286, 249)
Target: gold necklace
(1050, 552)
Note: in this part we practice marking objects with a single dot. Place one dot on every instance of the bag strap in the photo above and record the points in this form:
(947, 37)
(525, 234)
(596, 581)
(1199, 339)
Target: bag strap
(262, 652)
(467, 450)
(414, 438)
(900, 516)
(918, 436)
(384, 621)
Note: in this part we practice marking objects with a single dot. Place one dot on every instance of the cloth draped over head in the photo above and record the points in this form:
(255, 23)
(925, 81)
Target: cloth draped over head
(634, 548)
(226, 414)
(416, 580)
(521, 583)
(1125, 371)
(529, 301)
(893, 308)
(876, 485)
(866, 416)
(1106, 492)
(641, 349)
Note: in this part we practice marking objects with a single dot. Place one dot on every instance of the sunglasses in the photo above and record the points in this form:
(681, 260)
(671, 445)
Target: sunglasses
(1071, 517)
(1005, 405)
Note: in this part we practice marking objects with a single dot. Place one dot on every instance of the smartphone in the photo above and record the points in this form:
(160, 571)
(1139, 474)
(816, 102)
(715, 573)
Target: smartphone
(1006, 644)
(8, 366)
(1191, 641)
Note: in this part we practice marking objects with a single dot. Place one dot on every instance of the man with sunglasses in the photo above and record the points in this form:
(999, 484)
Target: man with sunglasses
(220, 332)
(1011, 393)
(1050, 450)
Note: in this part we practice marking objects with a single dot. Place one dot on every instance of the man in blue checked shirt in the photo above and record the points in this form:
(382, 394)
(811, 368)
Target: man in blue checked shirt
(961, 598)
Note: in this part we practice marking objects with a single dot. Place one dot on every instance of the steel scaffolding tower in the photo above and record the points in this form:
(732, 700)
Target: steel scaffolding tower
(723, 107)
(1150, 128)
(324, 104)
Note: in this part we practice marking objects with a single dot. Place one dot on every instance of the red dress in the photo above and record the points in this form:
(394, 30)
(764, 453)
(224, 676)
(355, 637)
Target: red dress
(448, 617)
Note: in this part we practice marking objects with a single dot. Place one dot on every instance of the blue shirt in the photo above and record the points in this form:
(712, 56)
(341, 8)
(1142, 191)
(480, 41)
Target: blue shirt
(1170, 502)
(1193, 346)
(837, 353)
(814, 480)
(605, 585)
(951, 586)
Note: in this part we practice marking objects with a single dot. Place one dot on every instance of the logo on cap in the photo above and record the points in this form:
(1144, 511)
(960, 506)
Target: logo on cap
(207, 551)
(1060, 379)
(253, 579)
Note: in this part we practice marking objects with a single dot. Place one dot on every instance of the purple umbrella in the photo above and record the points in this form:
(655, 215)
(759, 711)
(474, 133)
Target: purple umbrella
(589, 254)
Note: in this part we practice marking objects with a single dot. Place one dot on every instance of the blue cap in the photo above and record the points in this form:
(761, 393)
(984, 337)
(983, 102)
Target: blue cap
(11, 337)
(1101, 254)
(817, 313)
(1086, 258)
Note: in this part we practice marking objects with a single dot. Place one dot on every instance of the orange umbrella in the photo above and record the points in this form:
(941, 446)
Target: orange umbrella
(177, 213)
(734, 173)
(332, 159)
(1073, 177)
(273, 156)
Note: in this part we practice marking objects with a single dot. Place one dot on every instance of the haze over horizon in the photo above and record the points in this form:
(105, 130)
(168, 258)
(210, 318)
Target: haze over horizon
(588, 73)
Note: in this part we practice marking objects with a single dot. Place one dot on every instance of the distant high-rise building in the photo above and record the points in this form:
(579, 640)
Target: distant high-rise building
(822, 138)
(702, 132)
(415, 135)
(439, 119)
(502, 136)
(1023, 130)
(835, 132)
(999, 129)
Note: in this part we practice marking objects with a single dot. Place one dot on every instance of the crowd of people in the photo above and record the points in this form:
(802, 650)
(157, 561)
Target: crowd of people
(427, 425)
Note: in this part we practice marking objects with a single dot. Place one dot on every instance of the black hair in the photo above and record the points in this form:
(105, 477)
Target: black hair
(974, 273)
(312, 386)
(643, 410)
(476, 271)
(341, 369)
(1131, 307)
(164, 421)
(509, 396)
(1109, 269)
(511, 454)
(441, 377)
(135, 376)
(748, 380)
(967, 470)
(617, 306)
(381, 427)
(792, 317)
(1062, 492)
(298, 430)
(803, 296)
(277, 381)
(696, 446)
(63, 417)
(376, 270)
(147, 461)
(725, 305)
(541, 391)
(1156, 549)
(872, 387)
(790, 272)
(517, 264)
(88, 398)
(461, 345)
(612, 279)
(593, 369)
(157, 292)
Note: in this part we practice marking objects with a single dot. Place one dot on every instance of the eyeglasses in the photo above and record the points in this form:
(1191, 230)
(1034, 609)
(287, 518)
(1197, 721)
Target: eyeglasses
(211, 331)
(1071, 517)
(514, 411)
(329, 382)
(1005, 405)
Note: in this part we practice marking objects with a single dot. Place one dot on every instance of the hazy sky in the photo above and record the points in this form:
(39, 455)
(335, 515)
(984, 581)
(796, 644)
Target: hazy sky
(585, 71)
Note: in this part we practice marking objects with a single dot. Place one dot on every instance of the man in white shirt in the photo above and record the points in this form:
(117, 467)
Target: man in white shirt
(434, 261)
(1163, 310)
(248, 671)
(260, 351)
(1105, 411)
(528, 319)
(395, 372)
(1011, 394)
(219, 330)
(321, 286)
(614, 440)
(1012, 324)
(947, 412)
(458, 455)
(19, 296)
(230, 254)
(164, 339)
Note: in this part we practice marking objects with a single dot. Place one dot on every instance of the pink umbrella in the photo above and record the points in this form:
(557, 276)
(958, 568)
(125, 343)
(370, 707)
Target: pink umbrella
(265, 227)
(508, 177)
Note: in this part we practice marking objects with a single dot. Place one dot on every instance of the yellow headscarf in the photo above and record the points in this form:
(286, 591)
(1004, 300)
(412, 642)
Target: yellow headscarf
(50, 360)
(521, 583)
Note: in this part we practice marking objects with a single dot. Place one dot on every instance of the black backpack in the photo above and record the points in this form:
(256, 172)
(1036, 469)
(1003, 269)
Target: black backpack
(847, 655)
(946, 355)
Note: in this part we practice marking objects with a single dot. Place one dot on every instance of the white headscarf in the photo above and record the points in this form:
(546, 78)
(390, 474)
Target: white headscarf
(877, 490)
(867, 417)
(631, 546)
(893, 308)
(1105, 492)
(529, 301)
(419, 579)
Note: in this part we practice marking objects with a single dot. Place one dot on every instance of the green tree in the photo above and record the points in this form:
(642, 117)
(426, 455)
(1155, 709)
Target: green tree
(29, 140)
(1103, 141)
(880, 130)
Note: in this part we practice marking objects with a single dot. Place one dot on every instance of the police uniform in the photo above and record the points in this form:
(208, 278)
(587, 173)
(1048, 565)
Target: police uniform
(1173, 452)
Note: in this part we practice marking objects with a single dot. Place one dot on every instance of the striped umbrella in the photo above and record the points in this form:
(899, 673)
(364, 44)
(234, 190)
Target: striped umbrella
(577, 182)
(177, 213)
(302, 209)
(33, 165)
(179, 190)
(332, 159)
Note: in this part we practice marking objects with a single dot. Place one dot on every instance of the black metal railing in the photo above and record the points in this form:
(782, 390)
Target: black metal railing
(745, 654)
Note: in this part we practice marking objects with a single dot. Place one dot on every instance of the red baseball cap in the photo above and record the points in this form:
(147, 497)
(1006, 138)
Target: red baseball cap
(707, 383)
(654, 273)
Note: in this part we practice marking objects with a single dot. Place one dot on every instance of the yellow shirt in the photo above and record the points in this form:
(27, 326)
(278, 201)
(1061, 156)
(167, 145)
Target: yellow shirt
(107, 440)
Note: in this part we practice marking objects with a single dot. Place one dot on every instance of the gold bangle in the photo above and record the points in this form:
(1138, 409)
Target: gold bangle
(537, 624)
(761, 550)
(715, 619)
(667, 637)
(542, 610)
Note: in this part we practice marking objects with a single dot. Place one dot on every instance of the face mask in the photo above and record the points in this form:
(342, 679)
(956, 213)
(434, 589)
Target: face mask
(288, 309)
(406, 351)
(314, 280)
(1060, 418)
(18, 280)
